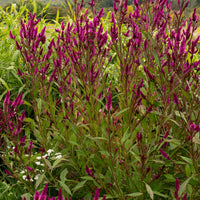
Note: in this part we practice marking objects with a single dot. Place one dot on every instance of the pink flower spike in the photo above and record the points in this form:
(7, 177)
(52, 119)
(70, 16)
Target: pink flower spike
(7, 172)
(11, 36)
(29, 169)
(109, 102)
(36, 196)
(30, 145)
(7, 99)
(88, 171)
(44, 192)
(176, 101)
(92, 3)
(22, 116)
(194, 16)
(19, 72)
(115, 7)
(104, 197)
(96, 196)
(193, 127)
(60, 194)
(177, 185)
(185, 197)
(166, 156)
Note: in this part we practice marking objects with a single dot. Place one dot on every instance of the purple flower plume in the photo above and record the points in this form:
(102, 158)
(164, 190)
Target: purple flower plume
(96, 196)
(30, 145)
(92, 3)
(166, 156)
(88, 171)
(60, 194)
(7, 99)
(176, 101)
(11, 36)
(109, 102)
(177, 187)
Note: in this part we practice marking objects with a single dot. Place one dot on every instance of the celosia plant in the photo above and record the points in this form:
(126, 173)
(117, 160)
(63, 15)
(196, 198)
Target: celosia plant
(130, 135)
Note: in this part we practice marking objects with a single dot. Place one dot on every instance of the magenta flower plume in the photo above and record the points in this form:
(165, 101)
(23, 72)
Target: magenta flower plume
(88, 171)
(21, 118)
(60, 194)
(7, 99)
(185, 197)
(166, 156)
(176, 101)
(7, 172)
(96, 196)
(194, 16)
(11, 36)
(29, 169)
(44, 192)
(109, 102)
(177, 187)
(30, 145)
(92, 3)
(36, 196)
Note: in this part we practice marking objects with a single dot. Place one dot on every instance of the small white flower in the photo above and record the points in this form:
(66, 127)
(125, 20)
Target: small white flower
(59, 156)
(46, 156)
(38, 158)
(22, 172)
(37, 163)
(24, 177)
(50, 151)
(37, 176)
(56, 154)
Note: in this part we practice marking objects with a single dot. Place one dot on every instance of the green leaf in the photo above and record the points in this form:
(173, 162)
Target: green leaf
(48, 163)
(56, 162)
(34, 7)
(183, 186)
(27, 196)
(4, 83)
(4, 93)
(65, 187)
(57, 15)
(188, 160)
(14, 73)
(160, 194)
(39, 104)
(89, 178)
(188, 170)
(196, 139)
(136, 194)
(135, 155)
(28, 120)
(79, 185)
(63, 175)
(45, 8)
(156, 57)
(180, 114)
(126, 135)
(149, 190)
(28, 104)
(39, 180)
(122, 111)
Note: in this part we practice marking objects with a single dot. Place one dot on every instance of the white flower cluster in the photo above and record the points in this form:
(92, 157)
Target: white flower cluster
(25, 177)
(49, 155)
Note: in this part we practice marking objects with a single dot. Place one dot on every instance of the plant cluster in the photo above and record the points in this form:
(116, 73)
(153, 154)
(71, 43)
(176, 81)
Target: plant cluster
(115, 105)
